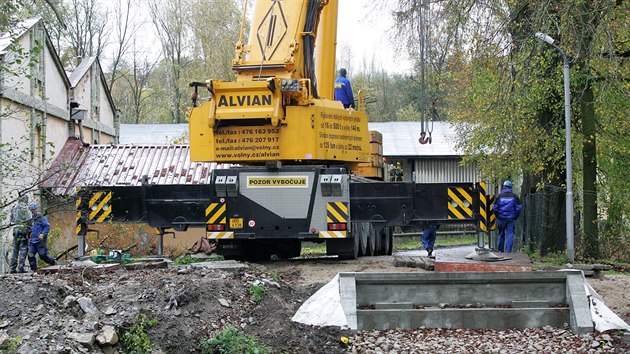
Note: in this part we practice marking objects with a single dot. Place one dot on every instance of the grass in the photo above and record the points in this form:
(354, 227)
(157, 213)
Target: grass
(275, 276)
(232, 341)
(189, 259)
(448, 241)
(315, 249)
(401, 244)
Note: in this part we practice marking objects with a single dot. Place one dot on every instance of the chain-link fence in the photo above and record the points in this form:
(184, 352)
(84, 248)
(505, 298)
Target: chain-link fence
(543, 221)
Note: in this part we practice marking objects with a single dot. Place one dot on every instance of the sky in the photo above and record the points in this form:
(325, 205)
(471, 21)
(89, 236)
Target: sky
(362, 28)
(365, 30)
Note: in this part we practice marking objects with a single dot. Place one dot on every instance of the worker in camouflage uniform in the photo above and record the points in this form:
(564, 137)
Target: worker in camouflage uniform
(21, 219)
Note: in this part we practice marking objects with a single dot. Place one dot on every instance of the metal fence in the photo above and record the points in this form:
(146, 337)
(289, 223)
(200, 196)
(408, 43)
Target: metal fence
(543, 221)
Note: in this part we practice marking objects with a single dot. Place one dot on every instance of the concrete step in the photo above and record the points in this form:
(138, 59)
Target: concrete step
(495, 300)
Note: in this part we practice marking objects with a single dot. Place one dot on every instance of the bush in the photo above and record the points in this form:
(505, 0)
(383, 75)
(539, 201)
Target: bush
(136, 340)
(232, 341)
(257, 290)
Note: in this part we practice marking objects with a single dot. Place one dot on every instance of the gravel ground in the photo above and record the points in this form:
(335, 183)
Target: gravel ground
(531, 340)
(314, 273)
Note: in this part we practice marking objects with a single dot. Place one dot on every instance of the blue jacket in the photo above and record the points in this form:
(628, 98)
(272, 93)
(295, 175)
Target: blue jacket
(40, 226)
(343, 91)
(507, 205)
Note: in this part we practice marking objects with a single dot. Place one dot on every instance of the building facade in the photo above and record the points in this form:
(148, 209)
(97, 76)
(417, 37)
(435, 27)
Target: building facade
(37, 101)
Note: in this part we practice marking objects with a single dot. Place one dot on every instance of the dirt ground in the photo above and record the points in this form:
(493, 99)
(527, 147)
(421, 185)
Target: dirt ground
(65, 312)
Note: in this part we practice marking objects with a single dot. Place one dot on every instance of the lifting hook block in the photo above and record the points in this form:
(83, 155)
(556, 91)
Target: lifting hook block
(424, 139)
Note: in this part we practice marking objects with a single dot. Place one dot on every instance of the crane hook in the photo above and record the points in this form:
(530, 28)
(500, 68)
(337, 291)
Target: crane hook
(424, 139)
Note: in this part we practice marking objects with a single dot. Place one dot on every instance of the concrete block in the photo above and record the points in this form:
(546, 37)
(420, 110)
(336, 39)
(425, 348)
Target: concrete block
(487, 318)
(229, 265)
(475, 300)
(347, 295)
(581, 320)
(530, 304)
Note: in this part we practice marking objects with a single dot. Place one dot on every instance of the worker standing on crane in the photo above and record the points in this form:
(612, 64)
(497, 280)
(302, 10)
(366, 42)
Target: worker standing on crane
(343, 89)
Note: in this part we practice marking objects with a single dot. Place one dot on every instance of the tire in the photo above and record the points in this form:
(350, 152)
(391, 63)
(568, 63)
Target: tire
(371, 240)
(379, 242)
(362, 231)
(357, 245)
(388, 241)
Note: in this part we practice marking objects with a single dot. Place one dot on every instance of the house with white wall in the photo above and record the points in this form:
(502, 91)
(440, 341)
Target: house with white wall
(36, 95)
(37, 101)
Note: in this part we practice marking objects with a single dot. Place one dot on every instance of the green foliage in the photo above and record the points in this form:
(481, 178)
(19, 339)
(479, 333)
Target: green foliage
(553, 259)
(136, 340)
(189, 259)
(389, 97)
(450, 241)
(313, 250)
(257, 290)
(11, 345)
(275, 276)
(232, 341)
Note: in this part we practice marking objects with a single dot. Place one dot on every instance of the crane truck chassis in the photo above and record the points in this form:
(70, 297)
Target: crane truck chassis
(254, 213)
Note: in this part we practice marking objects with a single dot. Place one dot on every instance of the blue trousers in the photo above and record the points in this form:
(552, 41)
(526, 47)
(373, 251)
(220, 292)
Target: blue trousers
(41, 249)
(506, 234)
(428, 236)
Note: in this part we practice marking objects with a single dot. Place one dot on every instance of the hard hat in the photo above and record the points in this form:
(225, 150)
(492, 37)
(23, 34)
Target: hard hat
(507, 183)
(32, 206)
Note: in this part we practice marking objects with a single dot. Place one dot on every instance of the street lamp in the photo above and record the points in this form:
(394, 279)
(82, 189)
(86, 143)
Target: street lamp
(567, 122)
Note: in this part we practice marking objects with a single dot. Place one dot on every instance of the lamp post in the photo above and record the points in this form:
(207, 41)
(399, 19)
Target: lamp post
(567, 122)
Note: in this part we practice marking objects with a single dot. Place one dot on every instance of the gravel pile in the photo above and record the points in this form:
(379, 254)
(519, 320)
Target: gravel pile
(531, 340)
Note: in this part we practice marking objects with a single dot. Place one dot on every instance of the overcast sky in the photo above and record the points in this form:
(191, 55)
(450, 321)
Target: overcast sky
(361, 27)
(368, 32)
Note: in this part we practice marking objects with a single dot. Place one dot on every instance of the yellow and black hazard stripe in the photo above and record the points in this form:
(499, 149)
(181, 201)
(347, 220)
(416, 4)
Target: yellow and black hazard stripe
(336, 212)
(81, 222)
(215, 213)
(99, 206)
(483, 207)
(492, 222)
(460, 203)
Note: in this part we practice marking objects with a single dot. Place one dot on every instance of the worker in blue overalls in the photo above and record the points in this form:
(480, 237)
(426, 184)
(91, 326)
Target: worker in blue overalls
(39, 236)
(343, 90)
(507, 209)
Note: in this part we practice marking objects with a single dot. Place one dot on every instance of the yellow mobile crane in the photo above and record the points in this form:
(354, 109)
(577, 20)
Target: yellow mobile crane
(306, 168)
(303, 160)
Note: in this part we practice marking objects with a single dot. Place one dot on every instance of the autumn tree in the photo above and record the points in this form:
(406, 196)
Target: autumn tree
(506, 91)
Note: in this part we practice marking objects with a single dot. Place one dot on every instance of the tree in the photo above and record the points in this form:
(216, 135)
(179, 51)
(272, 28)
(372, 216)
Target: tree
(215, 29)
(86, 31)
(125, 32)
(133, 93)
(169, 18)
(506, 89)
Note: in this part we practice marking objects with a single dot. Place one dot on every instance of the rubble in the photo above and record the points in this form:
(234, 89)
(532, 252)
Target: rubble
(89, 310)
